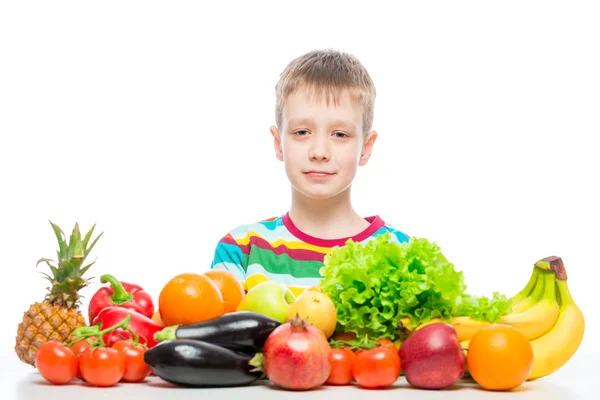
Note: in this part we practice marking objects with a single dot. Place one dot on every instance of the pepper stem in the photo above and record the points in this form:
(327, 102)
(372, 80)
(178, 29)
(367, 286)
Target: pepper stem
(120, 295)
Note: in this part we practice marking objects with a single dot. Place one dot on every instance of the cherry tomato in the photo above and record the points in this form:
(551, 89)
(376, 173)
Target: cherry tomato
(102, 366)
(56, 362)
(341, 367)
(121, 344)
(385, 342)
(388, 344)
(377, 367)
(136, 369)
(80, 347)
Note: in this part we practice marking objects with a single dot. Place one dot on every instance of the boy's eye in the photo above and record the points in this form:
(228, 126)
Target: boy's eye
(340, 134)
(301, 132)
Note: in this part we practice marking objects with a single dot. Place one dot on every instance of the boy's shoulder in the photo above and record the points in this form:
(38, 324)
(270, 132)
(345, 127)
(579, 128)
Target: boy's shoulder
(386, 227)
(267, 227)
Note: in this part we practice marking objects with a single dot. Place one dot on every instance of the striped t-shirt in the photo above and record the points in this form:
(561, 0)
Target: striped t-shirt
(275, 249)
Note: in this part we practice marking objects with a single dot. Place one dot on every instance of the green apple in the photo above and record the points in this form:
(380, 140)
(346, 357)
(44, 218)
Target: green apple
(269, 298)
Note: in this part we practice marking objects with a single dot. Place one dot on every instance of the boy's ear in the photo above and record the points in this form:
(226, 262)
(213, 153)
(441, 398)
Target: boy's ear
(367, 148)
(277, 143)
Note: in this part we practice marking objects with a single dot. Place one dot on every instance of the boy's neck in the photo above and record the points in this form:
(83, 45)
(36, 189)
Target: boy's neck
(331, 218)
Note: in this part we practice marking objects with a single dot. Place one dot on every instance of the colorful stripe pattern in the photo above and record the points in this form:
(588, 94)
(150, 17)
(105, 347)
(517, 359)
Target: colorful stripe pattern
(275, 249)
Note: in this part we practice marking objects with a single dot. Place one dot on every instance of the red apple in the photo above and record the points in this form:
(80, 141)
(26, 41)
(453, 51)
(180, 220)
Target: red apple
(432, 357)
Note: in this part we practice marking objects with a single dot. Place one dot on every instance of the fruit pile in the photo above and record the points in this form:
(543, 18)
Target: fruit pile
(208, 331)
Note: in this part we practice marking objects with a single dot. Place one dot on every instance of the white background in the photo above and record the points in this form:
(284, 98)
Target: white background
(151, 120)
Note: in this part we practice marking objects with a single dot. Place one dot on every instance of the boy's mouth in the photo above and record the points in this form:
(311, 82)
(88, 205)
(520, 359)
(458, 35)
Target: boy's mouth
(319, 174)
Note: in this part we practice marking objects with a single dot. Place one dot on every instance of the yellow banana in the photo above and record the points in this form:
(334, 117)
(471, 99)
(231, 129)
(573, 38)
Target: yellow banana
(540, 318)
(534, 296)
(464, 345)
(465, 327)
(526, 291)
(555, 348)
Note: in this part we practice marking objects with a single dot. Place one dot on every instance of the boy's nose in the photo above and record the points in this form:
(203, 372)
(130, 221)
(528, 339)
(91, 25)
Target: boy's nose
(319, 154)
(319, 151)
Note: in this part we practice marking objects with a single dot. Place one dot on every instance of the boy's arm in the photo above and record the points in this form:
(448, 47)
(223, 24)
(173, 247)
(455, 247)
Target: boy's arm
(229, 256)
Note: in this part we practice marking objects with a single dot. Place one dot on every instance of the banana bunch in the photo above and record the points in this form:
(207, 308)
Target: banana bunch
(544, 311)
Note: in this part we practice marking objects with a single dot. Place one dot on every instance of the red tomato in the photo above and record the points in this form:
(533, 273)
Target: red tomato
(388, 344)
(121, 344)
(80, 347)
(56, 362)
(341, 367)
(136, 369)
(102, 366)
(377, 367)
(385, 342)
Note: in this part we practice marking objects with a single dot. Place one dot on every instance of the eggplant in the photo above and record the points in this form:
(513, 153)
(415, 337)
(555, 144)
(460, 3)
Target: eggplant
(243, 331)
(193, 363)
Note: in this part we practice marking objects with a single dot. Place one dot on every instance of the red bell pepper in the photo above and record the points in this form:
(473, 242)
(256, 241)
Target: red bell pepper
(139, 327)
(120, 294)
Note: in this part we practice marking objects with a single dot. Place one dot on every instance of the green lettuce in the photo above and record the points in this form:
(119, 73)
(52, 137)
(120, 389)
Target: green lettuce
(375, 284)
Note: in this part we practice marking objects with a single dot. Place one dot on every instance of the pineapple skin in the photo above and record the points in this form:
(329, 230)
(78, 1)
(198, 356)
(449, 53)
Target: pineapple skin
(43, 322)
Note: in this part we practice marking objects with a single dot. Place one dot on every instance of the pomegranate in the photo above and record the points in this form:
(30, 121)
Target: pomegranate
(296, 356)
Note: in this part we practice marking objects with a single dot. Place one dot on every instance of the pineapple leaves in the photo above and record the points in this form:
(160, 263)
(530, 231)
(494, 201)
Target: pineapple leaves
(47, 276)
(67, 270)
(72, 241)
(87, 251)
(77, 249)
(60, 236)
(55, 271)
(78, 245)
(84, 269)
(67, 278)
(87, 238)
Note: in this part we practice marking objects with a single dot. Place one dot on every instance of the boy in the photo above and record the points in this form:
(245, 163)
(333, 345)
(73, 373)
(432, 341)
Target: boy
(324, 114)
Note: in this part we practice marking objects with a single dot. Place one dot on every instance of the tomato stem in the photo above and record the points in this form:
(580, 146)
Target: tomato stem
(360, 342)
(85, 332)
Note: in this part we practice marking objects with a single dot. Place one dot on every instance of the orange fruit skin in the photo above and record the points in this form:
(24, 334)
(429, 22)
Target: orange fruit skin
(499, 357)
(230, 287)
(156, 318)
(189, 298)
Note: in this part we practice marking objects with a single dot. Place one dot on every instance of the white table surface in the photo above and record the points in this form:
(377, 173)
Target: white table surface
(578, 379)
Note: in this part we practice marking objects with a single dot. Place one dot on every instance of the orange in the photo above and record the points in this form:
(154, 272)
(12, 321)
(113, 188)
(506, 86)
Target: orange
(156, 318)
(499, 357)
(229, 285)
(189, 298)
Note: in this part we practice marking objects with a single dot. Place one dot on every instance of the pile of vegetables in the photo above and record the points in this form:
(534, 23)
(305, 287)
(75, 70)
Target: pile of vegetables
(376, 284)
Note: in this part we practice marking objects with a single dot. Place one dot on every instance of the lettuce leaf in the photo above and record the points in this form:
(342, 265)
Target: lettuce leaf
(375, 284)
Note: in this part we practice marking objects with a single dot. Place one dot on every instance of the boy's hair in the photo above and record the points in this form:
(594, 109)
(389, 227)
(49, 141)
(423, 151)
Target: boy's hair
(327, 72)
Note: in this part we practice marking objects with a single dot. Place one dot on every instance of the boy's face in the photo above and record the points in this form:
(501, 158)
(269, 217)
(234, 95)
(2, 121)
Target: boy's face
(322, 144)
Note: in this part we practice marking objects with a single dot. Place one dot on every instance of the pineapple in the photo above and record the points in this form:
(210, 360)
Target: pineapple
(58, 314)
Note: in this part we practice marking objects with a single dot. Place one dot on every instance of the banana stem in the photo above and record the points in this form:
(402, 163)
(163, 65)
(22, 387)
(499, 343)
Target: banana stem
(554, 264)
